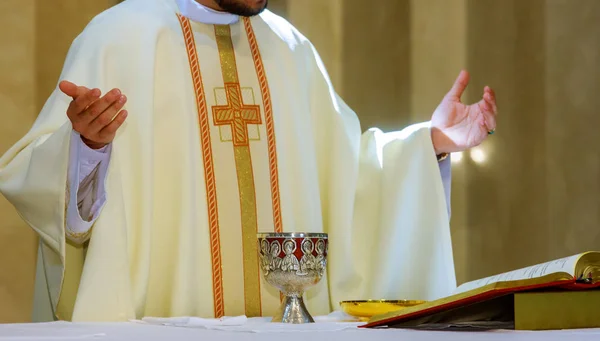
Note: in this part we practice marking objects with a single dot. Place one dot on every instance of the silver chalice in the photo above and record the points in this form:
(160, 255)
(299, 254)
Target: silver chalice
(293, 263)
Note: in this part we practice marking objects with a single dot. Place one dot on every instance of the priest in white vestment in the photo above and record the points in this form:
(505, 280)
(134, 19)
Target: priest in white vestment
(181, 128)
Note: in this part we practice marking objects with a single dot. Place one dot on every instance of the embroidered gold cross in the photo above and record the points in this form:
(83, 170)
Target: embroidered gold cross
(236, 114)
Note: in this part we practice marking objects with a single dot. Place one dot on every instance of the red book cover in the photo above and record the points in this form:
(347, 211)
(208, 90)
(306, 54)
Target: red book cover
(449, 304)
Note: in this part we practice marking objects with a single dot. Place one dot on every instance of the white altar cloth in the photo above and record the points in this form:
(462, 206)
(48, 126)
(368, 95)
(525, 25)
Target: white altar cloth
(242, 324)
(133, 331)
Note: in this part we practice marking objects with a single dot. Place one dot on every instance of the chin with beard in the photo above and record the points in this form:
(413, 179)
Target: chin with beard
(244, 8)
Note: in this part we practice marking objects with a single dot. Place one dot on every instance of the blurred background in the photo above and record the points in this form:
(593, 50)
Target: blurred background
(529, 194)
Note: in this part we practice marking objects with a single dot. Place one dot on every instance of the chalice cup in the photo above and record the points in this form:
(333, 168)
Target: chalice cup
(293, 263)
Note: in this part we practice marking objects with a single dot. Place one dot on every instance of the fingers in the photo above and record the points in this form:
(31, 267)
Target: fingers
(105, 118)
(95, 118)
(82, 102)
(490, 97)
(459, 85)
(108, 132)
(489, 119)
(71, 89)
(98, 107)
(68, 88)
(489, 109)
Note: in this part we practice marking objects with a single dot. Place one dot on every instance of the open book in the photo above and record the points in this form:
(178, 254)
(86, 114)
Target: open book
(584, 268)
(578, 272)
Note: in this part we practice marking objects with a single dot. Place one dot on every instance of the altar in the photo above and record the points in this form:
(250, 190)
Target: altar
(139, 331)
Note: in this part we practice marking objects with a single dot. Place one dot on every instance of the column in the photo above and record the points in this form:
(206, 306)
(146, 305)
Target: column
(438, 51)
(506, 186)
(17, 66)
(572, 156)
(376, 61)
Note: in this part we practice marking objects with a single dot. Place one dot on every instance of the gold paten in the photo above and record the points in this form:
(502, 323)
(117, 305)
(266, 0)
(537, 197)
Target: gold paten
(366, 309)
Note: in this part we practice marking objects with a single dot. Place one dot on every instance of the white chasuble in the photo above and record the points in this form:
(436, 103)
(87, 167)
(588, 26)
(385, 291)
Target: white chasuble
(232, 130)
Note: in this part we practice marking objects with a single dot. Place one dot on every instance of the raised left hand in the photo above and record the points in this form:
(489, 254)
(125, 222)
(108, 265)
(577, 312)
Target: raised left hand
(455, 126)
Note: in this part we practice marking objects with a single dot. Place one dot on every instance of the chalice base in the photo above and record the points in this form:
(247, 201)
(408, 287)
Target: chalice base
(293, 310)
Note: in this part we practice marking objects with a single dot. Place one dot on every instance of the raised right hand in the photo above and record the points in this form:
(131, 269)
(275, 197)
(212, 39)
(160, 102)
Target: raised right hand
(95, 119)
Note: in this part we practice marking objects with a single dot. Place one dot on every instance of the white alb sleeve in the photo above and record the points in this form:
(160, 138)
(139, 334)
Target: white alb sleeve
(87, 195)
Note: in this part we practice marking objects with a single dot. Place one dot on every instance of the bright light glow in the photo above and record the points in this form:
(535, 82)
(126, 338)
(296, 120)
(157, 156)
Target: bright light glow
(478, 155)
(456, 157)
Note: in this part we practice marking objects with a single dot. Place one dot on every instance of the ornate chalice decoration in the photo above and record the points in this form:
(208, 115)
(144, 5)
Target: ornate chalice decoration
(293, 263)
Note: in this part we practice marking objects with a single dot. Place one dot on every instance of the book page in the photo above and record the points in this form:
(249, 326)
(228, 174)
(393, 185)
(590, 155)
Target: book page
(566, 264)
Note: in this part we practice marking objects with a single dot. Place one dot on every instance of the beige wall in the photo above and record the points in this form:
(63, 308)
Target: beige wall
(534, 199)
(17, 109)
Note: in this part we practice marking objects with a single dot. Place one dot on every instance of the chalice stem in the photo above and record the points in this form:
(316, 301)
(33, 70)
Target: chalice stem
(293, 310)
